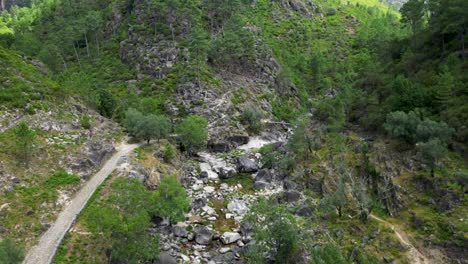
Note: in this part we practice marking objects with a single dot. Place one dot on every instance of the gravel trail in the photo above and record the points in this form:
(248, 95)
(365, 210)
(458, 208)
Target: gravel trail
(44, 251)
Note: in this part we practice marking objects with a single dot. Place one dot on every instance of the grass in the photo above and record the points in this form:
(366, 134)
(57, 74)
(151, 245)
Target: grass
(222, 224)
(244, 179)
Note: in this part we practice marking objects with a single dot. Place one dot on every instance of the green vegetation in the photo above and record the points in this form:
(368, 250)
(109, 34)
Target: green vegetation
(276, 231)
(168, 152)
(170, 199)
(10, 253)
(252, 117)
(24, 137)
(193, 134)
(147, 127)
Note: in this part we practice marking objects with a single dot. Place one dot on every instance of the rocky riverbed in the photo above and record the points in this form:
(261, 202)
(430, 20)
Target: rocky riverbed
(221, 187)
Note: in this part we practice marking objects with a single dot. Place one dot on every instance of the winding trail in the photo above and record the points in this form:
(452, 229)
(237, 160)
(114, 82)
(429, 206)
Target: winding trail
(416, 257)
(44, 251)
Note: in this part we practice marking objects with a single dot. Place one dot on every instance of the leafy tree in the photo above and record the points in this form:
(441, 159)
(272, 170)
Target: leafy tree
(412, 13)
(431, 152)
(362, 198)
(152, 127)
(402, 125)
(337, 199)
(123, 219)
(24, 139)
(199, 47)
(253, 118)
(170, 199)
(428, 130)
(276, 232)
(304, 141)
(193, 133)
(10, 253)
(132, 119)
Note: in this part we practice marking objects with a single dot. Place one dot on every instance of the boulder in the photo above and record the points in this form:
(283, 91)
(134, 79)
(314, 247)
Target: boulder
(304, 211)
(291, 196)
(246, 229)
(230, 237)
(203, 175)
(245, 164)
(238, 140)
(203, 236)
(263, 175)
(260, 185)
(179, 231)
(218, 146)
(237, 206)
(165, 258)
(226, 172)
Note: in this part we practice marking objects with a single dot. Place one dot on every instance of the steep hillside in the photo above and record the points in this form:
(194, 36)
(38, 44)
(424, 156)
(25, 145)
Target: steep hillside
(277, 131)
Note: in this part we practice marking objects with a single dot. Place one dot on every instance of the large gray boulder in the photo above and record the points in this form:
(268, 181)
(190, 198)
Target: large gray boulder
(291, 196)
(304, 211)
(230, 237)
(203, 235)
(245, 164)
(165, 258)
(179, 231)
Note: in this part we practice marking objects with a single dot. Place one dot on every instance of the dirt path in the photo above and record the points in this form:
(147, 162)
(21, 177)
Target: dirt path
(44, 251)
(415, 256)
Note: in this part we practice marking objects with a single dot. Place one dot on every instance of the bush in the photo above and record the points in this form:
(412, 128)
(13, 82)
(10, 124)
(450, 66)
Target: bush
(85, 121)
(10, 253)
(410, 128)
(146, 127)
(168, 153)
(252, 117)
(24, 137)
(193, 134)
(61, 177)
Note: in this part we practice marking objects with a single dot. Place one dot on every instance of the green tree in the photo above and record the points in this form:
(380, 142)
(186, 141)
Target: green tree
(198, 48)
(152, 127)
(132, 119)
(24, 139)
(193, 133)
(170, 199)
(431, 153)
(402, 125)
(276, 233)
(337, 198)
(10, 253)
(412, 13)
(304, 141)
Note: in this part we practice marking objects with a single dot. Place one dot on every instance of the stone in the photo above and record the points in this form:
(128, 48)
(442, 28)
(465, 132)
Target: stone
(179, 231)
(246, 229)
(184, 258)
(198, 203)
(209, 189)
(245, 164)
(165, 258)
(260, 185)
(237, 206)
(291, 196)
(15, 180)
(203, 175)
(239, 140)
(203, 235)
(230, 237)
(263, 175)
(304, 211)
(226, 172)
(224, 250)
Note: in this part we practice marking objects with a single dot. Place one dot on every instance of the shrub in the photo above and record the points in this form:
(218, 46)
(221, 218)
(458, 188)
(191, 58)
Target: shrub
(168, 153)
(85, 121)
(252, 117)
(10, 253)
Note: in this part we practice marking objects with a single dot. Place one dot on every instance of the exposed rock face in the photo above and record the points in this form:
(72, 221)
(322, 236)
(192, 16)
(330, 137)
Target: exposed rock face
(93, 154)
(291, 196)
